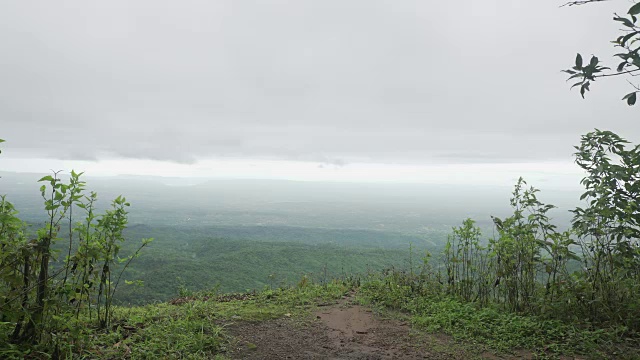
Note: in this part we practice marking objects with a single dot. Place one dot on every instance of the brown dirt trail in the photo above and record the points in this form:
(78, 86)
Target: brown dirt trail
(339, 331)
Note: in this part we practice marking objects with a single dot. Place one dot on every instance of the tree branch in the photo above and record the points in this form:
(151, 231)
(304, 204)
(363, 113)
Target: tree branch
(581, 2)
(616, 74)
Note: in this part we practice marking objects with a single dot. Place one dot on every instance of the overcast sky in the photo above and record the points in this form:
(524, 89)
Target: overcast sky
(208, 87)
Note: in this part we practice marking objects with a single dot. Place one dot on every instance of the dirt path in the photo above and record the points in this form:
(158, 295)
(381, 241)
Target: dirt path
(340, 331)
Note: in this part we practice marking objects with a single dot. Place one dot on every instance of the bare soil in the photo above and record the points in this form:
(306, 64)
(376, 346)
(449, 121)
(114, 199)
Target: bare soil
(342, 330)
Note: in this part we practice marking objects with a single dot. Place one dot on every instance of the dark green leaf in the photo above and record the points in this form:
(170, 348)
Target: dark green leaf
(627, 37)
(625, 21)
(631, 100)
(579, 61)
(583, 88)
(635, 9)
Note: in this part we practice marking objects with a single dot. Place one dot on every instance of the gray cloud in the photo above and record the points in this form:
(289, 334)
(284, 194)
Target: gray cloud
(326, 81)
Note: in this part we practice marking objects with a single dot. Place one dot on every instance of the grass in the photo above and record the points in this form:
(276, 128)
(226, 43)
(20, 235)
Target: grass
(192, 327)
(195, 328)
(495, 329)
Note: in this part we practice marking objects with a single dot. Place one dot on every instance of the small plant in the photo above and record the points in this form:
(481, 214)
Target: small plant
(527, 287)
(42, 296)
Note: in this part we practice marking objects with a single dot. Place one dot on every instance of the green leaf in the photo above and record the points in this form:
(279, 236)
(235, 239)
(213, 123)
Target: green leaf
(594, 61)
(635, 9)
(625, 21)
(46, 178)
(579, 61)
(631, 100)
(627, 37)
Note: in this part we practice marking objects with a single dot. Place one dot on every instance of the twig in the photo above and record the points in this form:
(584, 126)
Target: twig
(581, 2)
(616, 74)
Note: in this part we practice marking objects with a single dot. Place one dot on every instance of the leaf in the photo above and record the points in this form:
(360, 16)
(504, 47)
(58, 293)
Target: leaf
(579, 61)
(46, 178)
(584, 87)
(594, 61)
(625, 21)
(627, 37)
(631, 100)
(634, 10)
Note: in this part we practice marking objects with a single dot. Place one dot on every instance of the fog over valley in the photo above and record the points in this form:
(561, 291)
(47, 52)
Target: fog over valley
(407, 208)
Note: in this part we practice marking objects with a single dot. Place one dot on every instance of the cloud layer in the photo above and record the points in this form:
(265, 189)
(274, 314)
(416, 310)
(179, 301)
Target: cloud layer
(323, 81)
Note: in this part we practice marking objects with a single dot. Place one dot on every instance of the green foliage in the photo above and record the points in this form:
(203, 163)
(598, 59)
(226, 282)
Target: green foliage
(489, 325)
(525, 270)
(41, 297)
(466, 263)
(629, 55)
(522, 269)
(188, 261)
(187, 328)
(609, 229)
(527, 250)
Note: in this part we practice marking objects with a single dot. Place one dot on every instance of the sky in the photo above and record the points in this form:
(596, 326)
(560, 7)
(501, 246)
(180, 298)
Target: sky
(365, 90)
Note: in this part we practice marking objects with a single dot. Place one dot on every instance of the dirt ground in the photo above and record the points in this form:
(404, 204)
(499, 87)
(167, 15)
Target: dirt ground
(341, 331)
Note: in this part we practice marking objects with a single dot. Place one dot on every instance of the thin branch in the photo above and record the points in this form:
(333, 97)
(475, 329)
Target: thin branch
(29, 289)
(616, 74)
(635, 86)
(581, 2)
